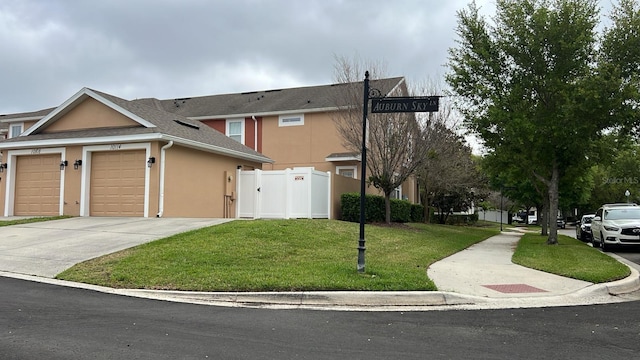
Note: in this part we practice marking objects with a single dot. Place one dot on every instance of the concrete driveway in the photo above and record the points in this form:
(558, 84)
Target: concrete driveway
(47, 248)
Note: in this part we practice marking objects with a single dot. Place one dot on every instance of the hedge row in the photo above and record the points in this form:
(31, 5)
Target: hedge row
(456, 219)
(401, 210)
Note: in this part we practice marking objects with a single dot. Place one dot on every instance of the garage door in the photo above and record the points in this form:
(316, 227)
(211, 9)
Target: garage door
(117, 183)
(37, 190)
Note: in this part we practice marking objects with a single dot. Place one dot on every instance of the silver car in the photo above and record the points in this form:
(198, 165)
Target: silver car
(583, 228)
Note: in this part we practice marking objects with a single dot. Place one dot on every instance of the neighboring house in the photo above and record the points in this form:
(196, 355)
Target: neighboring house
(106, 143)
(99, 155)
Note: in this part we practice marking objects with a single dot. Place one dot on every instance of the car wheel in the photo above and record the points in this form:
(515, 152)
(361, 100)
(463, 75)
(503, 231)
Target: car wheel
(595, 243)
(603, 246)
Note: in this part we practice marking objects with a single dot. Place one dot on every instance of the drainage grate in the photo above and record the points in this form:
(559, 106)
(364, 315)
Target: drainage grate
(514, 288)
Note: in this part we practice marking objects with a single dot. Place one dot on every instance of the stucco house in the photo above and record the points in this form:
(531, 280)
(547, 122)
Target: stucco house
(294, 127)
(100, 155)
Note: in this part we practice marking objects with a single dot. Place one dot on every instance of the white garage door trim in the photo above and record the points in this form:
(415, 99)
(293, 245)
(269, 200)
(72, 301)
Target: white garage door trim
(10, 190)
(85, 195)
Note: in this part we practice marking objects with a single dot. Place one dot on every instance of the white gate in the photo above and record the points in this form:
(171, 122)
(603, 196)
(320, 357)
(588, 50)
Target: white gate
(283, 194)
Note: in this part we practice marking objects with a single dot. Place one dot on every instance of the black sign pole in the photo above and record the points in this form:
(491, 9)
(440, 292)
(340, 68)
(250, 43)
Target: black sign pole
(363, 172)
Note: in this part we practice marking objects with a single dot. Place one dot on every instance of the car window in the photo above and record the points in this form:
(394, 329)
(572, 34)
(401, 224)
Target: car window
(618, 214)
(587, 220)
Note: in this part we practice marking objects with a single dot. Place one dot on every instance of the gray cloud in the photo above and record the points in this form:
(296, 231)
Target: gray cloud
(161, 48)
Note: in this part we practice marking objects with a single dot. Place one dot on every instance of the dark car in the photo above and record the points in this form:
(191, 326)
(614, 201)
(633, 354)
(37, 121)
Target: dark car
(583, 228)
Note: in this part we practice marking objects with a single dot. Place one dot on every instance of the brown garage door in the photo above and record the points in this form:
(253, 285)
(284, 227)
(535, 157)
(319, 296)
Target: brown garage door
(37, 185)
(117, 183)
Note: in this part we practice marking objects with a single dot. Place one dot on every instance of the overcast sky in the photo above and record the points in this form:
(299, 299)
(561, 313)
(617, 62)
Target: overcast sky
(50, 49)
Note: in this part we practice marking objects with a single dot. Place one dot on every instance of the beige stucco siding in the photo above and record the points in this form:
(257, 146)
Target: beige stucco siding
(196, 183)
(90, 114)
(303, 145)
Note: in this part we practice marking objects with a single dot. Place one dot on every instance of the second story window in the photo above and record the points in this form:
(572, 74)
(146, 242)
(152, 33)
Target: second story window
(291, 120)
(15, 130)
(235, 129)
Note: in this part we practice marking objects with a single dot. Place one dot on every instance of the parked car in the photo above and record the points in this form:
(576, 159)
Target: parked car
(561, 223)
(616, 224)
(583, 228)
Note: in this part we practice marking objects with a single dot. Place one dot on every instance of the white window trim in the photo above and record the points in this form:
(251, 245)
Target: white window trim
(282, 123)
(241, 121)
(354, 168)
(11, 125)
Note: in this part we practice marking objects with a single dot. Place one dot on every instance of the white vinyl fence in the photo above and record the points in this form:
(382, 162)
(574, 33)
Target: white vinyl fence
(493, 216)
(283, 194)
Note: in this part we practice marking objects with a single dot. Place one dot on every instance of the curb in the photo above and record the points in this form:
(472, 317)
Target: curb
(364, 300)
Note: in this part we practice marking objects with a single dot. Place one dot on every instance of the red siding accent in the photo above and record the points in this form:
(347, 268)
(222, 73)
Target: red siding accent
(249, 130)
(218, 124)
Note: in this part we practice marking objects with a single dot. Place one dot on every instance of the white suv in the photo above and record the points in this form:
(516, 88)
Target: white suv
(616, 224)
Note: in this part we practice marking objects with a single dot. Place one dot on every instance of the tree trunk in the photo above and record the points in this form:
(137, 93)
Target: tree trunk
(387, 208)
(553, 205)
(425, 202)
(542, 218)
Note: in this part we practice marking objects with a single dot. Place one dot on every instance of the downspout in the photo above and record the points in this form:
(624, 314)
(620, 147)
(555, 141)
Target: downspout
(255, 133)
(162, 165)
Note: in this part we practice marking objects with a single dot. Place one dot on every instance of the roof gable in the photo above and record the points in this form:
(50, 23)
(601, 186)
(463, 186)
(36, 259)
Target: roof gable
(89, 114)
(76, 100)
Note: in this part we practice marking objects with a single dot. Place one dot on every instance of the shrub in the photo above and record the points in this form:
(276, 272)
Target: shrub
(417, 213)
(401, 210)
(456, 219)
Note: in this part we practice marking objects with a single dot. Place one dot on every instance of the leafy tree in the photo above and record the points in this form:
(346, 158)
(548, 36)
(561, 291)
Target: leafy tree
(533, 88)
(448, 177)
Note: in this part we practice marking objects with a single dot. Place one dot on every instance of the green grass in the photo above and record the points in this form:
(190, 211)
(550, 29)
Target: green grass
(282, 255)
(30, 220)
(571, 258)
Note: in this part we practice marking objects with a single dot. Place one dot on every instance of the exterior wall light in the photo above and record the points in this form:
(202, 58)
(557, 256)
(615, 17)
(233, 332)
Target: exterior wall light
(63, 164)
(151, 161)
(77, 164)
(2, 167)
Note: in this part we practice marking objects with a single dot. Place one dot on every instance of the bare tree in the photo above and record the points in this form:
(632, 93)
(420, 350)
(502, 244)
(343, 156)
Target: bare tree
(395, 147)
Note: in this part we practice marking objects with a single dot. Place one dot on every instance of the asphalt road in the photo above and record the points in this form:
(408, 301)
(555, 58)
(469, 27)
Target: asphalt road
(40, 321)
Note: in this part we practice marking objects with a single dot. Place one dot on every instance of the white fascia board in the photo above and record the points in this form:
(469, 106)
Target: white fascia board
(395, 87)
(78, 98)
(267, 113)
(217, 149)
(343, 158)
(80, 141)
(130, 139)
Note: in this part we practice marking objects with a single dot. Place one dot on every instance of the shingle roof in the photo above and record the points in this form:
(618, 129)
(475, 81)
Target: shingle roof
(166, 125)
(270, 101)
(26, 115)
(176, 117)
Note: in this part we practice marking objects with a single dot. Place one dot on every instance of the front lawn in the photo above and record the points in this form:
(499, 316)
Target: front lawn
(282, 255)
(571, 258)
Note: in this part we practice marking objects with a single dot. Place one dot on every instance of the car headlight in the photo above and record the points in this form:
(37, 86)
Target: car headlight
(611, 228)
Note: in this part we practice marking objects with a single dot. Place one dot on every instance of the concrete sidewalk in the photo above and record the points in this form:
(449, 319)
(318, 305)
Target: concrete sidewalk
(486, 270)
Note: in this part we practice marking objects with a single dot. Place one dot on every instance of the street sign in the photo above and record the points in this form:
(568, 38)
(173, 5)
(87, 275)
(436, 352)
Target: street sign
(405, 104)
